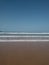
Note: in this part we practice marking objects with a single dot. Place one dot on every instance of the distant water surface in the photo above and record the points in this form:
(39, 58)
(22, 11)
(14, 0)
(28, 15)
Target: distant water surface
(24, 34)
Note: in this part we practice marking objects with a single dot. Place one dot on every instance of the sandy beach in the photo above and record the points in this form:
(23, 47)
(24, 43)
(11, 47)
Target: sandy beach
(24, 53)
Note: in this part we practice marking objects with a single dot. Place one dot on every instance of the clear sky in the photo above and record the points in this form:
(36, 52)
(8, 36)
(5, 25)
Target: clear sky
(24, 15)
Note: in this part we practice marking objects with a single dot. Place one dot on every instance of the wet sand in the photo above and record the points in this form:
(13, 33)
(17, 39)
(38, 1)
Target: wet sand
(24, 53)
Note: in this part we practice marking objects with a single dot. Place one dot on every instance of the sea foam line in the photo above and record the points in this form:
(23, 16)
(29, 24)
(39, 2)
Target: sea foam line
(24, 36)
(24, 40)
(20, 33)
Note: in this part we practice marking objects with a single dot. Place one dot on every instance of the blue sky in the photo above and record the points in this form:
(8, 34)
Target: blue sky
(24, 15)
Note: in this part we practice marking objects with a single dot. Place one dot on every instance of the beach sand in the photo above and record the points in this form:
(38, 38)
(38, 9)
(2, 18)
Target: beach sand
(24, 53)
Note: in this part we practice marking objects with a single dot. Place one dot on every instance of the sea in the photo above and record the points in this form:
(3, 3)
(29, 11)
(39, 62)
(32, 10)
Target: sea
(23, 36)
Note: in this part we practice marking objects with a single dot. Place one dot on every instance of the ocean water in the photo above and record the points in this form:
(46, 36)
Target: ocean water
(4, 36)
(24, 34)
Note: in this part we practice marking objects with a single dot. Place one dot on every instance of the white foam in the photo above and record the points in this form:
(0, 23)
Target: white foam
(24, 36)
(20, 33)
(24, 40)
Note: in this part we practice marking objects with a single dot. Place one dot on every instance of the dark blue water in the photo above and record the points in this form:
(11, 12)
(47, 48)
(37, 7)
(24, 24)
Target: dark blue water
(24, 34)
